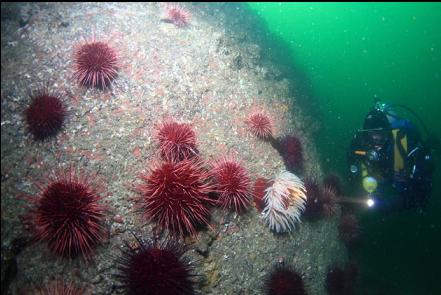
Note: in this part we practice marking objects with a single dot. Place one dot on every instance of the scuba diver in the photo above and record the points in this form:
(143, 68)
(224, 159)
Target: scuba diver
(390, 161)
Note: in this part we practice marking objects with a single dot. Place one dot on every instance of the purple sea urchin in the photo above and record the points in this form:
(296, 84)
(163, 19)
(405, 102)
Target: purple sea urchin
(46, 114)
(283, 280)
(314, 206)
(321, 201)
(291, 150)
(68, 216)
(148, 267)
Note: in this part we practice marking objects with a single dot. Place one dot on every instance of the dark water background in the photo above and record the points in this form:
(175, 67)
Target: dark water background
(344, 55)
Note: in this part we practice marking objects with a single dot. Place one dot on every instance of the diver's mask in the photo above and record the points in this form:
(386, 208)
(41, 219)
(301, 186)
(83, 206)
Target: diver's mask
(377, 137)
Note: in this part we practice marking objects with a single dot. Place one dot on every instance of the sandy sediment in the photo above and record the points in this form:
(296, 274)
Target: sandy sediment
(203, 74)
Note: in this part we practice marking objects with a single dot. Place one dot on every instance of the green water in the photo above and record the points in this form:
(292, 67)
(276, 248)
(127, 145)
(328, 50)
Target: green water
(352, 53)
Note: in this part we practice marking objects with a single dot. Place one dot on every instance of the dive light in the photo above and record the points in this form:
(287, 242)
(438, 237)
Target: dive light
(370, 202)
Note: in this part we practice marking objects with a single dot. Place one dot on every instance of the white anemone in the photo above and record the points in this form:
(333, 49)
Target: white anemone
(284, 202)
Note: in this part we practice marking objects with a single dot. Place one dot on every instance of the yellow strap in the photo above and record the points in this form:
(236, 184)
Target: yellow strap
(398, 159)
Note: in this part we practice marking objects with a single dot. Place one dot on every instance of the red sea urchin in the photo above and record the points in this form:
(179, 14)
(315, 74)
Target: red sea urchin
(284, 281)
(178, 15)
(148, 267)
(260, 124)
(67, 215)
(177, 141)
(96, 64)
(232, 184)
(46, 114)
(175, 195)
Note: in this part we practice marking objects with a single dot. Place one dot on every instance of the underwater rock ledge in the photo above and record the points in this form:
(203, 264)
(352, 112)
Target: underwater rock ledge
(197, 74)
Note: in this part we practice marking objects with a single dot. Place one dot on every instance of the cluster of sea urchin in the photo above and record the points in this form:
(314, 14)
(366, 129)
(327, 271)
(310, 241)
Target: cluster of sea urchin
(68, 216)
(284, 202)
(261, 125)
(96, 65)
